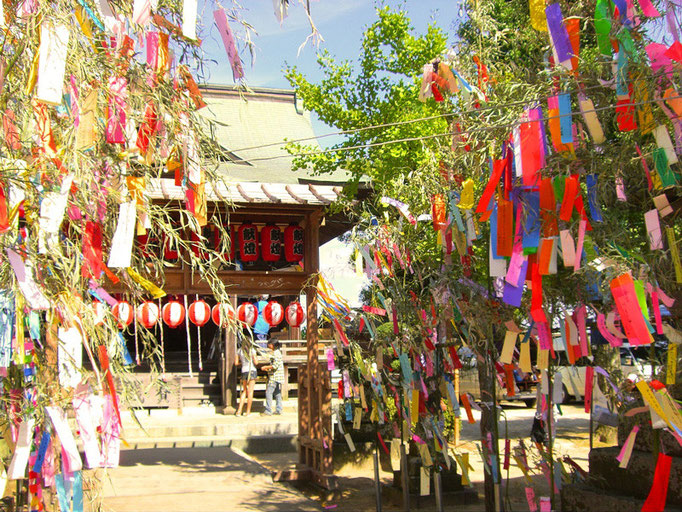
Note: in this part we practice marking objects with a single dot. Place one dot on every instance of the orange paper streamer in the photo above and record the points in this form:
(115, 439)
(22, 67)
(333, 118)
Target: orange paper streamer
(505, 227)
(464, 398)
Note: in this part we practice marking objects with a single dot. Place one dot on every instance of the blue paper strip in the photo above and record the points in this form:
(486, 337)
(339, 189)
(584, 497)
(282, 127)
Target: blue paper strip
(512, 294)
(42, 450)
(621, 74)
(126, 355)
(595, 210)
(531, 228)
(566, 118)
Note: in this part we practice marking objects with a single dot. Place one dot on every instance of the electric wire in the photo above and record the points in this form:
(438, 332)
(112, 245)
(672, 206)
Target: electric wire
(451, 133)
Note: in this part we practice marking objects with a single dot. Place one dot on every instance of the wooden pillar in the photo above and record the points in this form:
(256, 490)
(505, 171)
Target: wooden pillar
(230, 375)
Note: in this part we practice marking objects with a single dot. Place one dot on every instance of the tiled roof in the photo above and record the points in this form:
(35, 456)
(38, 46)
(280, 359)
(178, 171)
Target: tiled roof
(250, 193)
(256, 119)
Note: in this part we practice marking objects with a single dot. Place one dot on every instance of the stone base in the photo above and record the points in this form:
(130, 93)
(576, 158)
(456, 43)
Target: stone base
(394, 496)
(581, 498)
(637, 478)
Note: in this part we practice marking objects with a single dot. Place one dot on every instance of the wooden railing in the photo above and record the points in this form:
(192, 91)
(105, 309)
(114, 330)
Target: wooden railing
(295, 354)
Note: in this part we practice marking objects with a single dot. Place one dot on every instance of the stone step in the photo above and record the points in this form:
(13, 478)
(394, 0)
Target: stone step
(637, 478)
(239, 427)
(200, 391)
(583, 498)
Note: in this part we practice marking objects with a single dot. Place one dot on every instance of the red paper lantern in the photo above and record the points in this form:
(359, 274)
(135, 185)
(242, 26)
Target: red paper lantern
(271, 242)
(293, 243)
(148, 314)
(248, 242)
(294, 314)
(100, 311)
(123, 313)
(199, 313)
(173, 313)
(273, 313)
(220, 313)
(247, 313)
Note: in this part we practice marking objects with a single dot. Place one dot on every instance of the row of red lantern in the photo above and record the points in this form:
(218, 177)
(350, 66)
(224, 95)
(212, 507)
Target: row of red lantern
(199, 313)
(269, 243)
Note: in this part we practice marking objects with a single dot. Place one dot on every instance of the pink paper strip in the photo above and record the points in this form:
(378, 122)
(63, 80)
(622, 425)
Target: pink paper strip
(230, 46)
(579, 316)
(653, 228)
(601, 325)
(626, 451)
(530, 498)
(657, 313)
(648, 9)
(567, 248)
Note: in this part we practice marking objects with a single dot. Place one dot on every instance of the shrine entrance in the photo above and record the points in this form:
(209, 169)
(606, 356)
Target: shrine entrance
(260, 206)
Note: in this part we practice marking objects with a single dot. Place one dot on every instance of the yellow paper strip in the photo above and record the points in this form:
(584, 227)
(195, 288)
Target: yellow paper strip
(543, 359)
(671, 371)
(538, 19)
(674, 253)
(650, 399)
(508, 347)
(524, 358)
(154, 290)
(414, 409)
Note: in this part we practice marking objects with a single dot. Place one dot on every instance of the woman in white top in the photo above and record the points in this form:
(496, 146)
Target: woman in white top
(247, 360)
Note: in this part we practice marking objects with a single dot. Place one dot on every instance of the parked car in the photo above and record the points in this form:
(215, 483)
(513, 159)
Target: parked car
(469, 383)
(635, 365)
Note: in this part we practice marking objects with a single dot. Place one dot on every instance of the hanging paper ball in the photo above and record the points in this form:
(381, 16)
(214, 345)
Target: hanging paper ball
(220, 313)
(247, 313)
(123, 313)
(148, 314)
(273, 313)
(271, 243)
(173, 313)
(248, 242)
(293, 243)
(199, 313)
(294, 314)
(100, 311)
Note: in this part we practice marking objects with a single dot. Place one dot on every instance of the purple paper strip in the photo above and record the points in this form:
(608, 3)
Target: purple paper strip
(512, 294)
(559, 35)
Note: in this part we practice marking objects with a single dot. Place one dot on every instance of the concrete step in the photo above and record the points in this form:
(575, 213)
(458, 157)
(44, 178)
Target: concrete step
(637, 478)
(284, 443)
(582, 498)
(201, 390)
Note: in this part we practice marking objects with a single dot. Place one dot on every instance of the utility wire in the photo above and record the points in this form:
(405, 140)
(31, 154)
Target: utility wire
(450, 133)
(419, 119)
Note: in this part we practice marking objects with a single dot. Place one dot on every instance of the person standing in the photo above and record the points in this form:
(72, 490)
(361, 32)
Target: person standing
(247, 359)
(275, 378)
(261, 328)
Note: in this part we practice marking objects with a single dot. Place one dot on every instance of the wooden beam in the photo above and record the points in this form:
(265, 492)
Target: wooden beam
(182, 282)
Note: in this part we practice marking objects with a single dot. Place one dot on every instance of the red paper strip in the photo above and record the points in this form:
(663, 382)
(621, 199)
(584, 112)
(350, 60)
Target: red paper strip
(509, 378)
(456, 363)
(467, 407)
(507, 450)
(589, 378)
(4, 217)
(570, 192)
(536, 310)
(383, 445)
(110, 388)
(92, 250)
(550, 226)
(374, 311)
(625, 297)
(339, 330)
(498, 168)
(625, 115)
(655, 502)
(505, 227)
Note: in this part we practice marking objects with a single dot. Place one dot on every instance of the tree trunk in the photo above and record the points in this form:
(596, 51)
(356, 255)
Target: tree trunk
(487, 380)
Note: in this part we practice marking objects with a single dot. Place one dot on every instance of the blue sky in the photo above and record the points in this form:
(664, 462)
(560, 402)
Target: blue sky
(341, 23)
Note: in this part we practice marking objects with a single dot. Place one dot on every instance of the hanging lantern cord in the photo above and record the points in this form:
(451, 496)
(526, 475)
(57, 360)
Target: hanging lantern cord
(163, 348)
(201, 366)
(137, 351)
(189, 341)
